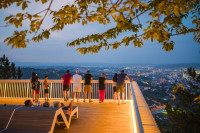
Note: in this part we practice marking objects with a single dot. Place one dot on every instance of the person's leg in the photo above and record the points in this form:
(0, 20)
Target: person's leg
(67, 94)
(123, 97)
(73, 95)
(64, 94)
(115, 95)
(118, 93)
(45, 96)
(68, 88)
(85, 92)
(103, 94)
(99, 95)
(33, 92)
(48, 96)
(90, 91)
(118, 96)
(89, 94)
(38, 96)
(123, 91)
(78, 94)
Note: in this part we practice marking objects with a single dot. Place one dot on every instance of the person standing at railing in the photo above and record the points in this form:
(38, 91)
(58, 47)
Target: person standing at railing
(37, 89)
(46, 88)
(115, 86)
(77, 85)
(66, 84)
(33, 80)
(87, 87)
(102, 87)
(120, 85)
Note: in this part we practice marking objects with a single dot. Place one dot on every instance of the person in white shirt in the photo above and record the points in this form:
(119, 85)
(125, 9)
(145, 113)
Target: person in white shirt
(77, 85)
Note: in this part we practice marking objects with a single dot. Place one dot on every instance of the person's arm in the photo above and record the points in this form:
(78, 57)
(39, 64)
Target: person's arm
(127, 77)
(62, 79)
(105, 80)
(71, 79)
(81, 78)
(31, 80)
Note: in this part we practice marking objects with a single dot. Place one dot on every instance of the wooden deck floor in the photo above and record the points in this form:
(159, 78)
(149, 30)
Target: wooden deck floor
(107, 117)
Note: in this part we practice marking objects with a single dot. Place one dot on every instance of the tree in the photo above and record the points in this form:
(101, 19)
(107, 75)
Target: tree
(8, 71)
(13, 71)
(184, 111)
(19, 73)
(2, 64)
(165, 18)
(4, 68)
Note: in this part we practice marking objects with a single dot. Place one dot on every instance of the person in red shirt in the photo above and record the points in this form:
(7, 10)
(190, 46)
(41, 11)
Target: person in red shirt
(66, 84)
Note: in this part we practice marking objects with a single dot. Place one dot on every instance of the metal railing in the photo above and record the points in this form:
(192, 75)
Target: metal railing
(137, 122)
(22, 89)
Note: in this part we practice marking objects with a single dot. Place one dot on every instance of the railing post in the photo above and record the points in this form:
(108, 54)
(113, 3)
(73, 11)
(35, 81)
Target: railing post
(5, 90)
(50, 91)
(126, 90)
(27, 89)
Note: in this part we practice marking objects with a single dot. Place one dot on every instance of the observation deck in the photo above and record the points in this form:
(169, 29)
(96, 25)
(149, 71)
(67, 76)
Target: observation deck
(106, 117)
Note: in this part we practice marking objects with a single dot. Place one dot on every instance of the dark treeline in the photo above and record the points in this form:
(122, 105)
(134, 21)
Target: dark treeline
(8, 70)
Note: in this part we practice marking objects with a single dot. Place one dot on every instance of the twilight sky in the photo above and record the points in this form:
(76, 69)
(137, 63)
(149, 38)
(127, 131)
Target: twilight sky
(55, 50)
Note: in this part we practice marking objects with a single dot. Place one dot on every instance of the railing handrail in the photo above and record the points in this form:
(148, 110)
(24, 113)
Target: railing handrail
(22, 89)
(137, 120)
(54, 80)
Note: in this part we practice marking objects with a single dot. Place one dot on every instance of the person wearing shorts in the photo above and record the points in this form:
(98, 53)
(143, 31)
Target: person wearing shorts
(115, 86)
(46, 88)
(77, 85)
(37, 89)
(33, 80)
(66, 84)
(120, 85)
(87, 86)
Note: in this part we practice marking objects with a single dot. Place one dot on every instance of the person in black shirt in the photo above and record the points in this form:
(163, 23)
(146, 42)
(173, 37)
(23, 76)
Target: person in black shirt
(33, 80)
(37, 90)
(115, 86)
(102, 87)
(87, 87)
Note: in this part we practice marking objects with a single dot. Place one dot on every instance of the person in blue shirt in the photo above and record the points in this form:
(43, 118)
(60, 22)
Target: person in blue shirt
(120, 85)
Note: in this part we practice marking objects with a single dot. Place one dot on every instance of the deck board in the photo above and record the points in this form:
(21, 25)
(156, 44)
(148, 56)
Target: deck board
(107, 117)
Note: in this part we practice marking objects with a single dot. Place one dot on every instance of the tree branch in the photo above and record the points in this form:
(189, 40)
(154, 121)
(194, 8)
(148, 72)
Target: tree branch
(47, 10)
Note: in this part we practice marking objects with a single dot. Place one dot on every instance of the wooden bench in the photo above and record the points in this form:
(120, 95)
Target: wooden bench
(74, 113)
(34, 119)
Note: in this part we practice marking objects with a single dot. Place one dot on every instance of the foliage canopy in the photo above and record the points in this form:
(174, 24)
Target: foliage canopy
(184, 111)
(165, 19)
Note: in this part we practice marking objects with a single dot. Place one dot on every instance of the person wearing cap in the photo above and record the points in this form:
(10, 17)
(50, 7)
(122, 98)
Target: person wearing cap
(87, 87)
(120, 85)
(66, 84)
(77, 85)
